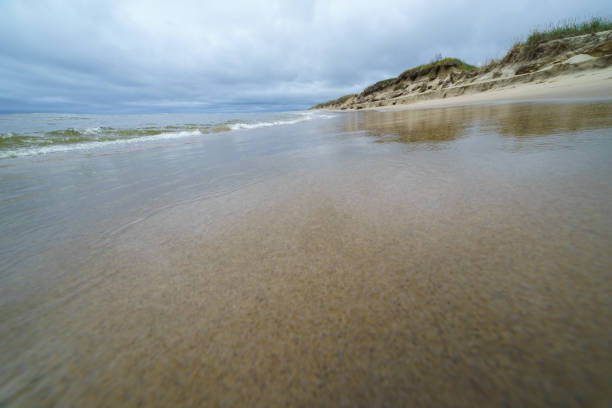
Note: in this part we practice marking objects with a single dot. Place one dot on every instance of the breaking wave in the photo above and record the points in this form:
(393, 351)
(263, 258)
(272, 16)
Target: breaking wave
(14, 144)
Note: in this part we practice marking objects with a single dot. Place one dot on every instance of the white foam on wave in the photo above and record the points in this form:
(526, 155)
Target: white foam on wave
(92, 130)
(326, 115)
(162, 136)
(303, 117)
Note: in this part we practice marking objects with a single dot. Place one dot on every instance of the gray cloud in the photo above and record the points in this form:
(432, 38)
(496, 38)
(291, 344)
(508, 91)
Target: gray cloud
(137, 55)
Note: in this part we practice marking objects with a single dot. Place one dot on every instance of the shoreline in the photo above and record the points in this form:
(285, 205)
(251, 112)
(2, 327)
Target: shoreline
(595, 84)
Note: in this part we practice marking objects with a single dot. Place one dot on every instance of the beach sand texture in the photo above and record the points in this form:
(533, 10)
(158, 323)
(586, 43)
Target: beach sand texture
(464, 261)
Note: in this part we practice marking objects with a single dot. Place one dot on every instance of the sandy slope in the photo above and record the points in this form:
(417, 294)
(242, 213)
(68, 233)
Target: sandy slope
(593, 84)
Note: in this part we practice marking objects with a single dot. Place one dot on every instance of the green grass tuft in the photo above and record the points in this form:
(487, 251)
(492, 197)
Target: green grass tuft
(421, 69)
(456, 62)
(378, 86)
(338, 101)
(567, 28)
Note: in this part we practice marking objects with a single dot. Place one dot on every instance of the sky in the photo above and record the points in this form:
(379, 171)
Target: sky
(131, 56)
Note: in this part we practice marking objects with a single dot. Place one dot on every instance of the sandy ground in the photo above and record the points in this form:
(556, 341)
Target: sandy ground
(594, 84)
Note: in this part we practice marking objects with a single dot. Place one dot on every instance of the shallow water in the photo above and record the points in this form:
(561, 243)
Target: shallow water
(458, 256)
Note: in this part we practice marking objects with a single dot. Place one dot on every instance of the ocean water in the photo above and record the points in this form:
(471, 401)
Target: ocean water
(440, 257)
(34, 134)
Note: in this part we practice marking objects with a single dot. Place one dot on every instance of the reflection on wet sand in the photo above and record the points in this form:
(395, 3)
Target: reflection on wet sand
(432, 126)
(425, 126)
(530, 120)
(389, 277)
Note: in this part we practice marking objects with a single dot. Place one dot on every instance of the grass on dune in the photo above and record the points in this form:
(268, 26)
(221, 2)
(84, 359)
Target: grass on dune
(455, 62)
(338, 101)
(439, 62)
(379, 85)
(567, 28)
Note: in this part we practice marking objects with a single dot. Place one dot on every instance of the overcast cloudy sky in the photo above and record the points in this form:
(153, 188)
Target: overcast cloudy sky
(194, 55)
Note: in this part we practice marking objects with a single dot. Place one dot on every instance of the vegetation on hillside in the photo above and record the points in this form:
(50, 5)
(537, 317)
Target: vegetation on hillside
(446, 62)
(568, 28)
(338, 101)
(530, 49)
(378, 86)
(420, 70)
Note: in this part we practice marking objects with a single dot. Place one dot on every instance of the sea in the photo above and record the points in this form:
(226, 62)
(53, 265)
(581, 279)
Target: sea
(36, 134)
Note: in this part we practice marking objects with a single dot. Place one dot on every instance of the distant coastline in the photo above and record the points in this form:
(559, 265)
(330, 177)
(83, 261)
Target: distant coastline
(567, 61)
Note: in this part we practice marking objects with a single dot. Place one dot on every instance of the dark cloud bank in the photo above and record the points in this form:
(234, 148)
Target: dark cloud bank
(158, 56)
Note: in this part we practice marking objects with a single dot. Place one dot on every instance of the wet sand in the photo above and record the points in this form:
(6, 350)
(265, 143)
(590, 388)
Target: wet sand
(448, 257)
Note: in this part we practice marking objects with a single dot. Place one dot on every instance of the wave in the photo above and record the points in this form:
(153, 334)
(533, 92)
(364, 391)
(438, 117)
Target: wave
(240, 125)
(13, 144)
(91, 145)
